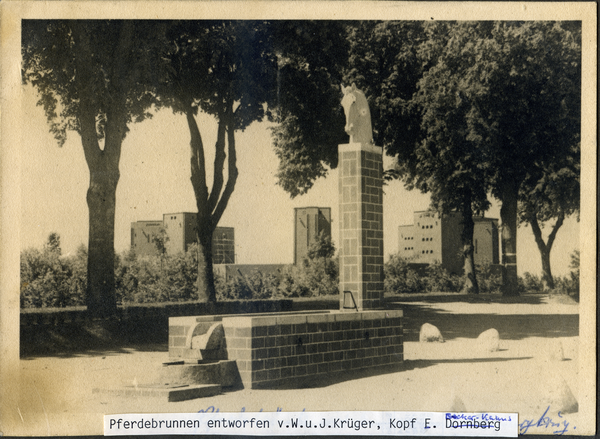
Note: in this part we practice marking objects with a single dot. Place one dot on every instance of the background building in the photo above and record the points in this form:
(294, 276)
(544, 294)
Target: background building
(432, 238)
(142, 237)
(309, 222)
(223, 246)
(180, 231)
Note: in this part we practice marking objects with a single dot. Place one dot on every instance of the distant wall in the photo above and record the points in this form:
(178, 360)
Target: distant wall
(52, 330)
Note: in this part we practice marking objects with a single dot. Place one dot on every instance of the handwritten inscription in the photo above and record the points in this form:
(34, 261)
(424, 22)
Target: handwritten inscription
(213, 409)
(558, 426)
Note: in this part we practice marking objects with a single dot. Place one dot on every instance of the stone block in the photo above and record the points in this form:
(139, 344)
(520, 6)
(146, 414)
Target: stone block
(257, 331)
(347, 316)
(489, 341)
(323, 368)
(243, 332)
(177, 330)
(430, 333)
(300, 370)
(287, 372)
(291, 319)
(239, 322)
(177, 342)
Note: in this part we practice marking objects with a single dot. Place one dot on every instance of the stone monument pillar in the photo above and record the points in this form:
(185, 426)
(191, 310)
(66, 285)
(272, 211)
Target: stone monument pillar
(360, 165)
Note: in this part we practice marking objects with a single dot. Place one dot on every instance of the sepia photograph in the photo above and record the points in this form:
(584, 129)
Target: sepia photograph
(271, 206)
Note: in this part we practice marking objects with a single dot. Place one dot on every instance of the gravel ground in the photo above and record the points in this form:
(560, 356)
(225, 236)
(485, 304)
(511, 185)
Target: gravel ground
(57, 398)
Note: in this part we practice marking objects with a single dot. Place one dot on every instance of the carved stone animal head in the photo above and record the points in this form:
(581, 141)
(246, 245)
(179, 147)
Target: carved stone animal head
(358, 116)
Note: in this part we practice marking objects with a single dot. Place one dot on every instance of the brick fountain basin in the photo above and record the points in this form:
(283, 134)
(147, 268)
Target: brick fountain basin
(271, 350)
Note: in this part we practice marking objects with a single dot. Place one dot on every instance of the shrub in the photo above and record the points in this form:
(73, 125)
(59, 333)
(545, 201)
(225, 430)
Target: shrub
(49, 279)
(78, 281)
(258, 285)
(488, 280)
(292, 282)
(438, 279)
(530, 283)
(162, 278)
(399, 278)
(318, 276)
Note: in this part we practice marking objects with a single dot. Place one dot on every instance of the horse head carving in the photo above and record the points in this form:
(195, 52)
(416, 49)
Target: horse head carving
(358, 116)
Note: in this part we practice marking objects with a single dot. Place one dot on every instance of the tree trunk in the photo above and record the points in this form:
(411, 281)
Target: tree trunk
(206, 277)
(211, 207)
(508, 216)
(547, 279)
(101, 298)
(103, 164)
(545, 248)
(470, 286)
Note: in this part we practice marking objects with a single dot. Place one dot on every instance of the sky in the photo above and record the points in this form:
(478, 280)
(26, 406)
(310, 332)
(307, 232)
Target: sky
(155, 179)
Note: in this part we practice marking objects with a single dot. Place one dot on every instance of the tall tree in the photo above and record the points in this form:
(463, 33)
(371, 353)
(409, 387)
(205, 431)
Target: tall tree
(551, 194)
(241, 72)
(466, 108)
(226, 69)
(420, 116)
(448, 162)
(506, 95)
(525, 111)
(89, 76)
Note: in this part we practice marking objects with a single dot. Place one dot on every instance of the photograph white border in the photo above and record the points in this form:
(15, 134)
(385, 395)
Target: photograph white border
(10, 159)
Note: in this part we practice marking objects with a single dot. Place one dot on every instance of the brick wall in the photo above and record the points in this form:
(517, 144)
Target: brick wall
(154, 313)
(271, 350)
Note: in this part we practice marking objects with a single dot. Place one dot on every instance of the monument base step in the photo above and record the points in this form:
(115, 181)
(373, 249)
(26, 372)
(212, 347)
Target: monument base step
(224, 372)
(173, 392)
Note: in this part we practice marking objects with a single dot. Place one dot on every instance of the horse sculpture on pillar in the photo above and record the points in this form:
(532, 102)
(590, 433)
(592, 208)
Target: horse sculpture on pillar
(358, 116)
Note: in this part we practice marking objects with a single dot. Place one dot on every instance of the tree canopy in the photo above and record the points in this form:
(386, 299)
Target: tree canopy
(469, 109)
(241, 72)
(225, 69)
(92, 78)
(311, 56)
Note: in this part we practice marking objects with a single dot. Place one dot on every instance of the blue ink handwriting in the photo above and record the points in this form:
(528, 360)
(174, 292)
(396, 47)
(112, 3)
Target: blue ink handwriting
(546, 422)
